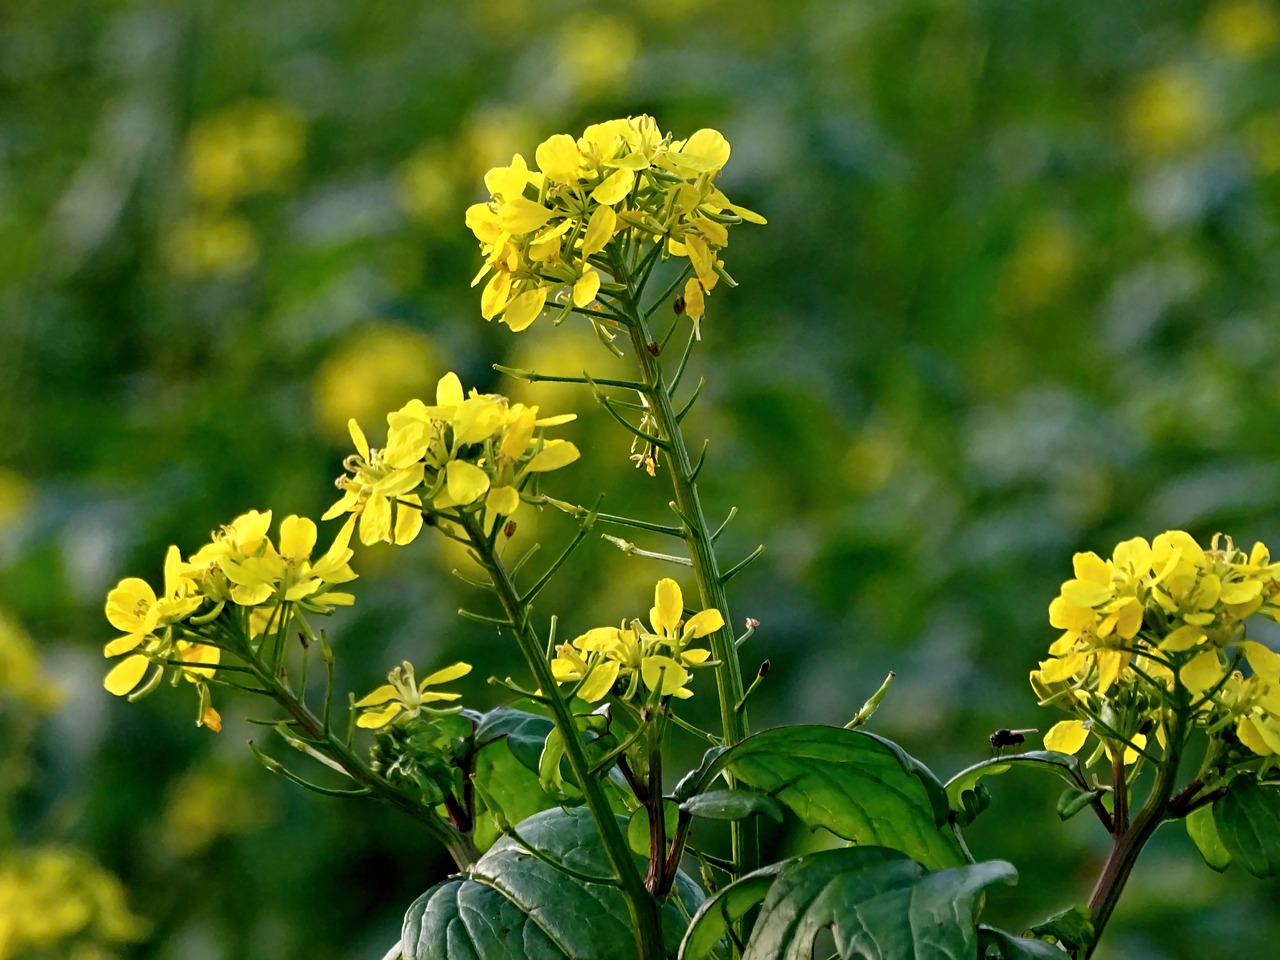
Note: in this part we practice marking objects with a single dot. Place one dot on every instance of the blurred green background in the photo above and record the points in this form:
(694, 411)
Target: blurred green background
(1017, 297)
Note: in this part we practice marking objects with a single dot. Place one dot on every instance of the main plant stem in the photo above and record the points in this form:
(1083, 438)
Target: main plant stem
(697, 536)
(643, 908)
(1131, 837)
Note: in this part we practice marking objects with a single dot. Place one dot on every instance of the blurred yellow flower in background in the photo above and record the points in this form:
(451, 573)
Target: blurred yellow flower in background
(1242, 29)
(20, 678)
(57, 901)
(244, 149)
(594, 53)
(1168, 110)
(377, 368)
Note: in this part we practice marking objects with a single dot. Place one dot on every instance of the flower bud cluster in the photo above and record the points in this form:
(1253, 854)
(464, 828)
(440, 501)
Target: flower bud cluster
(545, 234)
(622, 659)
(463, 453)
(240, 568)
(1161, 626)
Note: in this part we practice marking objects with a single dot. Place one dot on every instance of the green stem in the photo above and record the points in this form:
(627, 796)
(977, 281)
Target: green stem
(698, 539)
(645, 919)
(1130, 839)
(458, 844)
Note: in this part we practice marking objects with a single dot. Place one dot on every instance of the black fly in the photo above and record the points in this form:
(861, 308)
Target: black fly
(1004, 737)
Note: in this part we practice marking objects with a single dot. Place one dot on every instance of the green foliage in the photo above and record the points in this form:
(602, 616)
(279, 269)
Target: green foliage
(514, 904)
(857, 785)
(878, 903)
(1247, 818)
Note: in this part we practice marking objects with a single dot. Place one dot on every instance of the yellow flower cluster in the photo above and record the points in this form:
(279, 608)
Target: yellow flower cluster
(241, 567)
(1155, 617)
(462, 453)
(545, 234)
(605, 657)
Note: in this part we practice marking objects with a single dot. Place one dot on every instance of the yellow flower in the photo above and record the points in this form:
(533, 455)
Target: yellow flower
(621, 177)
(462, 452)
(404, 698)
(658, 660)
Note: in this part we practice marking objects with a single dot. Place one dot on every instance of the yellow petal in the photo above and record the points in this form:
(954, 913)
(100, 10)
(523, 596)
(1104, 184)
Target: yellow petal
(668, 606)
(449, 391)
(297, 538)
(1086, 593)
(665, 672)
(358, 438)
(373, 719)
(408, 521)
(445, 674)
(554, 455)
(1061, 668)
(126, 675)
(614, 188)
(502, 500)
(695, 305)
(559, 158)
(210, 718)
(1250, 733)
(123, 644)
(524, 309)
(380, 695)
(600, 230)
(1066, 736)
(709, 146)
(466, 482)
(703, 623)
(1183, 638)
(600, 681)
(585, 290)
(1130, 754)
(129, 605)
(522, 215)
(1241, 591)
(375, 521)
(1201, 672)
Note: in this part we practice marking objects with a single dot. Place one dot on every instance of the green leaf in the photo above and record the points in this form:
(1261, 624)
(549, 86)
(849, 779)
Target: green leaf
(1073, 928)
(732, 805)
(1204, 834)
(511, 786)
(998, 944)
(1248, 820)
(638, 827)
(1072, 800)
(524, 732)
(515, 906)
(878, 903)
(965, 799)
(861, 787)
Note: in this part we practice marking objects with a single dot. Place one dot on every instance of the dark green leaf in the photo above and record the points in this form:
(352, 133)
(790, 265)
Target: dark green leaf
(1073, 928)
(1248, 820)
(998, 945)
(514, 905)
(524, 732)
(1072, 800)
(732, 805)
(859, 786)
(962, 787)
(878, 904)
(1204, 834)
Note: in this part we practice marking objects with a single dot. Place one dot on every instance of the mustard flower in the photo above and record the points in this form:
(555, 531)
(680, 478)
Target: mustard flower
(466, 452)
(542, 233)
(403, 697)
(659, 660)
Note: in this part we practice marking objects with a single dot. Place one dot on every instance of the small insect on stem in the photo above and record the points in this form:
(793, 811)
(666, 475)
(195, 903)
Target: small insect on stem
(653, 348)
(1004, 737)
